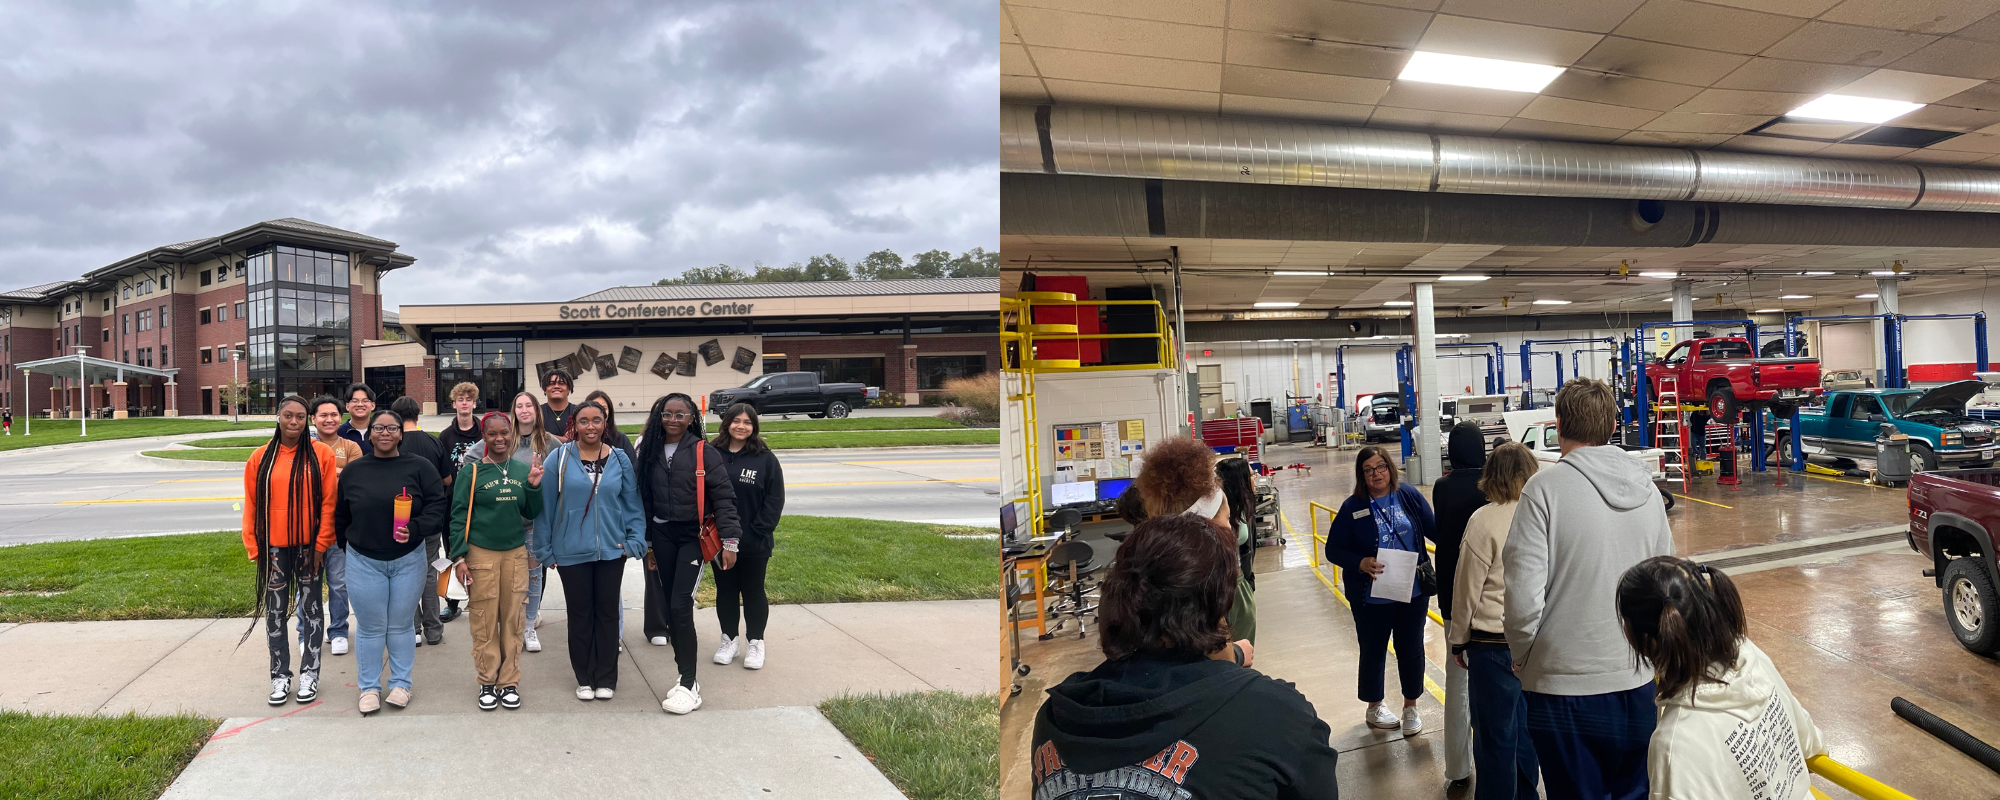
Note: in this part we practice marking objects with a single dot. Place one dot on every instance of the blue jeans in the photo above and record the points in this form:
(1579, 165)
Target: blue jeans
(336, 594)
(384, 595)
(1501, 752)
(1594, 746)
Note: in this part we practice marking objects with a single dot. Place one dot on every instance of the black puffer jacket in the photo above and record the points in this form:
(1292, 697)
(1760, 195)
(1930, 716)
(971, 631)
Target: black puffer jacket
(760, 496)
(1456, 496)
(668, 488)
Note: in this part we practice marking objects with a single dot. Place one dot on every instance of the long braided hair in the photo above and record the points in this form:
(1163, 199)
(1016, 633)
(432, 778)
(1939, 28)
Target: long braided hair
(305, 495)
(653, 442)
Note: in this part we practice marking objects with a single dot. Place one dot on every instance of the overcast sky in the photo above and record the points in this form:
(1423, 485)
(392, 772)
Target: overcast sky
(519, 150)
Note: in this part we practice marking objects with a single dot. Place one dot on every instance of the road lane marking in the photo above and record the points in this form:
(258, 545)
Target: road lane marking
(148, 500)
(879, 483)
(923, 461)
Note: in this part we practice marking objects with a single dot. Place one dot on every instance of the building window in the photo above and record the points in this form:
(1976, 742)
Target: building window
(163, 316)
(145, 320)
(934, 371)
(204, 317)
(128, 291)
(166, 282)
(774, 364)
(145, 356)
(107, 334)
(239, 310)
(865, 370)
(107, 304)
(239, 269)
(206, 356)
(204, 278)
(163, 356)
(125, 324)
(126, 357)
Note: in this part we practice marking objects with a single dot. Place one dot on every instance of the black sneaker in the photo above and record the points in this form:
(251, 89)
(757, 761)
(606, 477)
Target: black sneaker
(488, 700)
(511, 697)
(436, 638)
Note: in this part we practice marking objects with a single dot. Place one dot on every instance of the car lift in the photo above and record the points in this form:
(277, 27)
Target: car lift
(1496, 378)
(1640, 387)
(1527, 345)
(1893, 347)
(1527, 390)
(1576, 358)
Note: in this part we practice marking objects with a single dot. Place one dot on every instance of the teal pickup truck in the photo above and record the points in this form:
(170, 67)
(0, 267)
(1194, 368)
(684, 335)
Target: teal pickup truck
(1941, 435)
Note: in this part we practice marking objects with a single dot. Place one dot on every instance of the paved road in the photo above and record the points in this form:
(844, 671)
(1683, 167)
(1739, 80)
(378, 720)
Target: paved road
(105, 489)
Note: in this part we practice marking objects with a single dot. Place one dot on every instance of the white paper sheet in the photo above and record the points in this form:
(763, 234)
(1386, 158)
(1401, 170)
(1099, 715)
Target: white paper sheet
(1399, 575)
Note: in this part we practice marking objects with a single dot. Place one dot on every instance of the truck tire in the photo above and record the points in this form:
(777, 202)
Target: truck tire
(1922, 459)
(1782, 411)
(1722, 405)
(1781, 450)
(1668, 498)
(1971, 606)
(837, 409)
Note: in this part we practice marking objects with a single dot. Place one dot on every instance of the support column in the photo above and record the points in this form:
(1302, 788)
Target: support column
(119, 404)
(909, 391)
(1425, 466)
(173, 398)
(1886, 302)
(1683, 310)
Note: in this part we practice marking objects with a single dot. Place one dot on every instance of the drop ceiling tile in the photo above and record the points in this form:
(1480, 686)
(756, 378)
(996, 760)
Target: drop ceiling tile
(1985, 95)
(1598, 16)
(1737, 101)
(1539, 129)
(1466, 36)
(1165, 73)
(1423, 120)
(1661, 62)
(1263, 82)
(1680, 122)
(1922, 16)
(1111, 94)
(1870, 152)
(1949, 118)
(1134, 37)
(1022, 89)
(1781, 75)
(1287, 108)
(1460, 99)
(1790, 8)
(1014, 60)
(1620, 90)
(1334, 21)
(1578, 112)
(1985, 30)
(1672, 139)
(1189, 12)
(1709, 27)
(1954, 56)
(1766, 144)
(1259, 49)
(1847, 44)
(1970, 143)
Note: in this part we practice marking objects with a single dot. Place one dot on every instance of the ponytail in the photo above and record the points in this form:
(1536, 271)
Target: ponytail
(1685, 618)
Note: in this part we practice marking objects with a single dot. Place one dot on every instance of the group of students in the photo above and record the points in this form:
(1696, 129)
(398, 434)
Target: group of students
(1590, 662)
(379, 509)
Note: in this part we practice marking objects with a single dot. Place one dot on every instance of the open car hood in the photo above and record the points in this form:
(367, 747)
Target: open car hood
(1950, 397)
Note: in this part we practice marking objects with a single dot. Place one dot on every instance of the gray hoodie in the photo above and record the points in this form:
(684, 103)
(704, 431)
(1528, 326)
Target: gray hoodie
(1581, 523)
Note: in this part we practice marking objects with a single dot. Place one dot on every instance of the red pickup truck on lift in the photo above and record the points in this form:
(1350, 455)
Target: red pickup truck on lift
(1954, 516)
(1724, 373)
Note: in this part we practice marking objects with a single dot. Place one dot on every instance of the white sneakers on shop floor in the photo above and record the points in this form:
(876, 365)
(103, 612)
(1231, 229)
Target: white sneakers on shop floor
(1412, 724)
(281, 691)
(340, 645)
(584, 693)
(604, 693)
(753, 656)
(308, 687)
(532, 640)
(681, 699)
(1379, 716)
(727, 652)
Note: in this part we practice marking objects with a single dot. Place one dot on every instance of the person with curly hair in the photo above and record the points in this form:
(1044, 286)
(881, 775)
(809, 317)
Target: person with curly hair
(1178, 477)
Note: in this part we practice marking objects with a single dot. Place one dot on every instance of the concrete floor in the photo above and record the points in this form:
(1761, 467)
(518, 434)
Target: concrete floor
(1850, 629)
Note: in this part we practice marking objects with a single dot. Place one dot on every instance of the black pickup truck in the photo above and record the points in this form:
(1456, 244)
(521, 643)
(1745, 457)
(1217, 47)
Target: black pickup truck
(794, 393)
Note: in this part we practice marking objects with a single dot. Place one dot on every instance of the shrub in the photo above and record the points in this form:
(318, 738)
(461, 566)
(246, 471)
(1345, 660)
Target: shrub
(979, 395)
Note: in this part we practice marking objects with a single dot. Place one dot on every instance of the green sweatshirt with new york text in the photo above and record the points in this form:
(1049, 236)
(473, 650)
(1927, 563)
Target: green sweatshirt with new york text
(499, 498)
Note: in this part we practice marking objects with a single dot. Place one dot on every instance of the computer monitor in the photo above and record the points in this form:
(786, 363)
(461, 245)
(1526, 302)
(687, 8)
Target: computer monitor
(1108, 490)
(1009, 520)
(1063, 494)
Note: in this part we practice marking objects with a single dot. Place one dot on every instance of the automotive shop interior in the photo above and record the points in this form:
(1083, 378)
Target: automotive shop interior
(1293, 231)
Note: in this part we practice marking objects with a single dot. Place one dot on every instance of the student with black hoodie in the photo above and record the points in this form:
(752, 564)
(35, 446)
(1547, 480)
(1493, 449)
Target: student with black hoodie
(759, 484)
(1170, 714)
(1455, 496)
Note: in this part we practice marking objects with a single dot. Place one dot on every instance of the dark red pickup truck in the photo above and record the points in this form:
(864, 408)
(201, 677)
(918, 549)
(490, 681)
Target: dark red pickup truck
(1726, 374)
(1954, 515)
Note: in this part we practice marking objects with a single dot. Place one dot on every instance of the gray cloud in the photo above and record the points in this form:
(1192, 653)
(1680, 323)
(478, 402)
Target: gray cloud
(522, 150)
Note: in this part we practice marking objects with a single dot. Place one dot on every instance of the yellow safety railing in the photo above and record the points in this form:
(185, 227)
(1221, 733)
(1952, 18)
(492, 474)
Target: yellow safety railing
(1319, 543)
(1845, 777)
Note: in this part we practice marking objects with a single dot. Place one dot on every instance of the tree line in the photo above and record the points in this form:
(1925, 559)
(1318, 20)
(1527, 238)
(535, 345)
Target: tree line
(881, 265)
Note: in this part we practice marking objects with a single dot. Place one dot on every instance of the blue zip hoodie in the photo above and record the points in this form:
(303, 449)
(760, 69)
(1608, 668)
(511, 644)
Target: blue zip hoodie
(616, 525)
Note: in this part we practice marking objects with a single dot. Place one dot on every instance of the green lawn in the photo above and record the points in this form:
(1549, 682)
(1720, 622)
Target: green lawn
(932, 745)
(819, 560)
(63, 431)
(55, 757)
(240, 455)
(825, 439)
(772, 424)
(232, 441)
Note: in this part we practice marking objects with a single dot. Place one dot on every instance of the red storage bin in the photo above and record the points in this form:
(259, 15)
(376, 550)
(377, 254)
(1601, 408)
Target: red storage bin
(1088, 351)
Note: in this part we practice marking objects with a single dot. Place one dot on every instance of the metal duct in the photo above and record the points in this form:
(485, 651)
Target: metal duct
(1144, 144)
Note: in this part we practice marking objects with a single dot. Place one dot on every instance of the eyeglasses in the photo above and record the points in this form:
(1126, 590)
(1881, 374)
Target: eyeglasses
(676, 415)
(384, 428)
(1376, 469)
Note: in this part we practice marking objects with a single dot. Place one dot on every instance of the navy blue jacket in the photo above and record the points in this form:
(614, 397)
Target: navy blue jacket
(1348, 540)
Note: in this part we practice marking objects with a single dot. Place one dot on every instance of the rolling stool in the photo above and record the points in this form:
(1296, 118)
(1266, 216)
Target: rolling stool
(1070, 566)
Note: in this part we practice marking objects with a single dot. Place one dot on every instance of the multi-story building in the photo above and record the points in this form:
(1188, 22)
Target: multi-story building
(295, 298)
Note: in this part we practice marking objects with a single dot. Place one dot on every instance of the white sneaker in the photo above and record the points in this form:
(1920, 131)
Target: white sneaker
(308, 687)
(753, 658)
(1379, 716)
(340, 645)
(603, 693)
(533, 641)
(1412, 724)
(727, 652)
(584, 693)
(420, 640)
(681, 699)
(658, 641)
(281, 691)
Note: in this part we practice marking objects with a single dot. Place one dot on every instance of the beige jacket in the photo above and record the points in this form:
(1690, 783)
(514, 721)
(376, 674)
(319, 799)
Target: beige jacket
(1479, 592)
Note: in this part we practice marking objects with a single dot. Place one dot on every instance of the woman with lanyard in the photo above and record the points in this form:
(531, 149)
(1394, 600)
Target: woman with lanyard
(288, 490)
(532, 444)
(491, 498)
(758, 482)
(1385, 514)
(590, 523)
(683, 479)
(389, 502)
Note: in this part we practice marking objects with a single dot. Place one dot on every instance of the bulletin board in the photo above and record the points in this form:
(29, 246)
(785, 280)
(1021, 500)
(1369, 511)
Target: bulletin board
(1095, 451)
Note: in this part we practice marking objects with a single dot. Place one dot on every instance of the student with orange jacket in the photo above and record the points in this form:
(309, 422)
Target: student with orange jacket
(289, 488)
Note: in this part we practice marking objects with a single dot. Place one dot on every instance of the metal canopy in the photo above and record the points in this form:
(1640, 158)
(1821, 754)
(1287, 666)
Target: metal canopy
(91, 369)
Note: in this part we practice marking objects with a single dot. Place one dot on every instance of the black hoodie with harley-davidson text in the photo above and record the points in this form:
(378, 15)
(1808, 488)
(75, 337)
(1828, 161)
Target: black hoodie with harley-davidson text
(1179, 727)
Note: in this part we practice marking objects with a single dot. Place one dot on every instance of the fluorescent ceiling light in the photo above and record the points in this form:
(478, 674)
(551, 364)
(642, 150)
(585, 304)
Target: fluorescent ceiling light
(1465, 278)
(1794, 297)
(1659, 274)
(1276, 304)
(1319, 274)
(1478, 73)
(1398, 303)
(1853, 109)
(1551, 302)
(1883, 273)
(1769, 311)
(1816, 273)
(1868, 296)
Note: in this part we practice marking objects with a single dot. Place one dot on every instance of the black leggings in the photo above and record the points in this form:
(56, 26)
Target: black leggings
(743, 585)
(677, 553)
(1375, 624)
(590, 590)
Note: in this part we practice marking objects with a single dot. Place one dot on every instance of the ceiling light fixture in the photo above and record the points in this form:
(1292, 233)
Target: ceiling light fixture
(1462, 278)
(1478, 73)
(1816, 273)
(1868, 296)
(1794, 297)
(1398, 303)
(1847, 108)
(1659, 274)
(1769, 311)
(1551, 302)
(1883, 273)
(1297, 273)
(1276, 304)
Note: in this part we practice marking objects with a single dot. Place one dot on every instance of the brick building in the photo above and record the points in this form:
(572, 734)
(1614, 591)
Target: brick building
(297, 297)
(905, 336)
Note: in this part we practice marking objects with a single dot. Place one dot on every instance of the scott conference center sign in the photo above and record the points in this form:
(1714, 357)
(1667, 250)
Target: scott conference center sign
(650, 311)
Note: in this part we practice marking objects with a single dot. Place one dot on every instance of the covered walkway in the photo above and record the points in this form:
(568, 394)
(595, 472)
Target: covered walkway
(110, 395)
